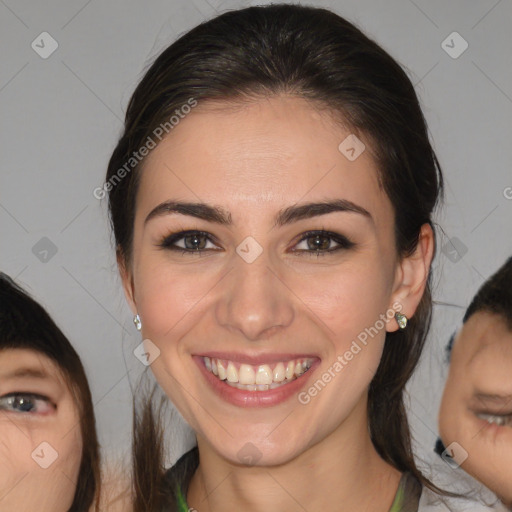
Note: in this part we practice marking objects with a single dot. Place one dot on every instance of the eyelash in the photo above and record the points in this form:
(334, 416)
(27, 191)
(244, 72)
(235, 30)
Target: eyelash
(342, 241)
(6, 402)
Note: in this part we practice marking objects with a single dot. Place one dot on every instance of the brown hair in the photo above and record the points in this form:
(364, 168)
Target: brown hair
(495, 295)
(314, 54)
(25, 324)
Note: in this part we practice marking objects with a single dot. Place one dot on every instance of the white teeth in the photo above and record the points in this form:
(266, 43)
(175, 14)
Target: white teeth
(246, 375)
(264, 374)
(250, 387)
(491, 418)
(257, 378)
(279, 373)
(221, 370)
(232, 374)
(290, 370)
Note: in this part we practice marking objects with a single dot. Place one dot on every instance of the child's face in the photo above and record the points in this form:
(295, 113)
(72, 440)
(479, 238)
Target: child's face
(40, 440)
(476, 410)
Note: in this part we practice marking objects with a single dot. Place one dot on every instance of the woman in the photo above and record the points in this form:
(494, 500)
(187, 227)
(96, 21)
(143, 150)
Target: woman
(476, 411)
(49, 459)
(271, 199)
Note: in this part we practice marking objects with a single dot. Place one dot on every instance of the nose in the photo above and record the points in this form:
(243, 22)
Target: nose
(256, 301)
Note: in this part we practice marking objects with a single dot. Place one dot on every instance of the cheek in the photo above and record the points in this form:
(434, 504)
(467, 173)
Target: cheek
(165, 295)
(450, 411)
(489, 459)
(350, 306)
(34, 475)
(71, 447)
(68, 444)
(15, 450)
(348, 300)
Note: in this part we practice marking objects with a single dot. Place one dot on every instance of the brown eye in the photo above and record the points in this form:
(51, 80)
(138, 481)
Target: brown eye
(188, 241)
(195, 241)
(319, 242)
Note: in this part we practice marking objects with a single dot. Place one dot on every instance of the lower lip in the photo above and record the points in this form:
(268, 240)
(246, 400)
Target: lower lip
(243, 398)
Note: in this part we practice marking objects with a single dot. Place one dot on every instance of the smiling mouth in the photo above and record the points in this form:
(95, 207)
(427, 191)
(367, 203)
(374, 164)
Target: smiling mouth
(261, 377)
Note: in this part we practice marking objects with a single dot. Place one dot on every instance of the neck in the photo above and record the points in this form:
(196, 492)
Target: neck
(342, 472)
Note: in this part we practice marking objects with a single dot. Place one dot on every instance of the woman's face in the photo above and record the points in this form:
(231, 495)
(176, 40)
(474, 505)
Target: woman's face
(40, 441)
(298, 260)
(476, 410)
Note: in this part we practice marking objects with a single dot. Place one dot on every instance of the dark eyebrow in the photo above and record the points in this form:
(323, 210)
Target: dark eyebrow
(493, 396)
(308, 210)
(288, 215)
(23, 372)
(199, 210)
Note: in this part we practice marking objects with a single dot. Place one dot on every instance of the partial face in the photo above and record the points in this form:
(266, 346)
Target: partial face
(254, 296)
(40, 441)
(476, 410)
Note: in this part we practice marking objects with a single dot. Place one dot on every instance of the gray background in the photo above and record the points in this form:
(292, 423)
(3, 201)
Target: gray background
(61, 117)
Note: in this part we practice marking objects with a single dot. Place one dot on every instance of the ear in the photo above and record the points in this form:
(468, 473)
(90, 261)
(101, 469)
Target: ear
(127, 280)
(411, 277)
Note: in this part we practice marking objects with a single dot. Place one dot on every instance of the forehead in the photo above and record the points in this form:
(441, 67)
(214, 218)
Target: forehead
(26, 363)
(259, 154)
(484, 338)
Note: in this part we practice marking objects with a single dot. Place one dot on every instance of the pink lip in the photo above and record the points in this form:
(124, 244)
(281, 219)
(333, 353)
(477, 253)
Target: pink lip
(243, 398)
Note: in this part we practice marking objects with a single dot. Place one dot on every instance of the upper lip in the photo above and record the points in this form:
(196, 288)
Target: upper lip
(256, 359)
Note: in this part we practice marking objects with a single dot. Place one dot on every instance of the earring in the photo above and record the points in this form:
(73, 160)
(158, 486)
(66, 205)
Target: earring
(137, 322)
(401, 320)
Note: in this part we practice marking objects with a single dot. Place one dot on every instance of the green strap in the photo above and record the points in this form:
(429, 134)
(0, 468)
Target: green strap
(398, 501)
(396, 506)
(182, 502)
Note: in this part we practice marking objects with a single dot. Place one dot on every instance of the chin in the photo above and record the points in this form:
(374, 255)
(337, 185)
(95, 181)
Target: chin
(247, 451)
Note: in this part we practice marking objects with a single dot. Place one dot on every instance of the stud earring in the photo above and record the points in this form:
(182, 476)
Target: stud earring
(137, 322)
(401, 320)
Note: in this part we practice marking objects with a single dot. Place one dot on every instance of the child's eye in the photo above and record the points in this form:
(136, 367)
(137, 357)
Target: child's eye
(497, 419)
(188, 241)
(322, 242)
(26, 403)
